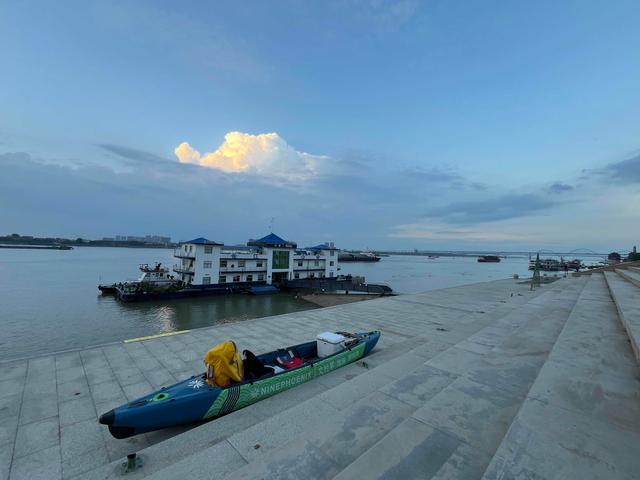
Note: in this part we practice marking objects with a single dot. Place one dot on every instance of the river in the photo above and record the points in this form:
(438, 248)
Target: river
(49, 299)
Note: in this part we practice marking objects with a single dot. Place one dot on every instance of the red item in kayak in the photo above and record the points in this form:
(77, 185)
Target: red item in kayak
(289, 361)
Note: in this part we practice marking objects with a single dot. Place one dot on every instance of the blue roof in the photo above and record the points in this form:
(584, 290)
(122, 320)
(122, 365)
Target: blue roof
(322, 246)
(272, 240)
(203, 241)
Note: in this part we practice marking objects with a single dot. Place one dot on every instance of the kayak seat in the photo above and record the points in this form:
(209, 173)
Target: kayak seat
(253, 367)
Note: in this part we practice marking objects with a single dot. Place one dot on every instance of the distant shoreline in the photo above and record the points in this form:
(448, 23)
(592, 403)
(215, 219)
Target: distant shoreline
(12, 241)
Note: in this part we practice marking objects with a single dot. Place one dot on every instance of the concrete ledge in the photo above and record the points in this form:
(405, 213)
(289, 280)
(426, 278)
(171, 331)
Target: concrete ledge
(627, 299)
(608, 268)
(580, 419)
(630, 274)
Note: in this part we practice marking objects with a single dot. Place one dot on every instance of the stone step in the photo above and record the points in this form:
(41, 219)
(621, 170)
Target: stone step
(361, 382)
(454, 433)
(630, 274)
(367, 409)
(627, 300)
(581, 417)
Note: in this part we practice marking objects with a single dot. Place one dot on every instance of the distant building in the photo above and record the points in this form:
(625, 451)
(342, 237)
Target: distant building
(614, 257)
(266, 260)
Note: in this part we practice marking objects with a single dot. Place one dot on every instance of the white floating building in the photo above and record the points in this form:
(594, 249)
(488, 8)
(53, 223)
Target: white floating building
(267, 260)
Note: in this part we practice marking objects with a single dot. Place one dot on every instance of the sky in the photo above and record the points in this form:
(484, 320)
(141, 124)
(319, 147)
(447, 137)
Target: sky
(436, 124)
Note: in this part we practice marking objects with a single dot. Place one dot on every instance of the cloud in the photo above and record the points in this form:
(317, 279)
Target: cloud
(133, 153)
(424, 231)
(385, 15)
(626, 171)
(266, 155)
(434, 175)
(499, 208)
(559, 187)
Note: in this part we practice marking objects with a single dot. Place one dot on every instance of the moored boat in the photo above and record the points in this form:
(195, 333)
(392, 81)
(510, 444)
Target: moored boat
(195, 399)
(156, 276)
(488, 259)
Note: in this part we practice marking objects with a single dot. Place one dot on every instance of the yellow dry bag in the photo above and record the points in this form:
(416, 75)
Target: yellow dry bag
(224, 364)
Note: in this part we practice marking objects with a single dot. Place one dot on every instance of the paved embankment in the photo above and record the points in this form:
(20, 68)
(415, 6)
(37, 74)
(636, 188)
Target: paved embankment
(331, 300)
(458, 387)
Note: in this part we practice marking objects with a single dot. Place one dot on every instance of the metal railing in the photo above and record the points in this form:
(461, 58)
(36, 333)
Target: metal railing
(180, 253)
(183, 269)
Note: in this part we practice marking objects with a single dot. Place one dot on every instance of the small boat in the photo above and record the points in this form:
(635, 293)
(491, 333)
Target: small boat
(263, 290)
(489, 259)
(194, 399)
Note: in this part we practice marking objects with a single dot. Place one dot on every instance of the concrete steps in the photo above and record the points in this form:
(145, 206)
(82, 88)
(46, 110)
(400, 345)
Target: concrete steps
(454, 432)
(349, 409)
(626, 296)
(355, 415)
(581, 417)
(327, 423)
(630, 274)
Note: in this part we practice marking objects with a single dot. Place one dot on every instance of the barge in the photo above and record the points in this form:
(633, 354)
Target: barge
(488, 259)
(358, 257)
(266, 265)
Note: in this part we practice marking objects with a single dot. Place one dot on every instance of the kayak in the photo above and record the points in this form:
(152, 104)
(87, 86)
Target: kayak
(195, 400)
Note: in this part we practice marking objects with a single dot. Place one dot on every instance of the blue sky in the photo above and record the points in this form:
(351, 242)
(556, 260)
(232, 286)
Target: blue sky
(436, 124)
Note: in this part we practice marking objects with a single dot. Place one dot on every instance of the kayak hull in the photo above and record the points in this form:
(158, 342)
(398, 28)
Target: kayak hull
(194, 400)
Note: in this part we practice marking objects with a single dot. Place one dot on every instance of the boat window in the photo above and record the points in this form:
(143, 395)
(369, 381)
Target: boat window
(222, 279)
(316, 263)
(258, 264)
(236, 278)
(206, 280)
(299, 264)
(260, 277)
(241, 263)
(331, 263)
(296, 275)
(206, 265)
(249, 278)
(208, 249)
(223, 263)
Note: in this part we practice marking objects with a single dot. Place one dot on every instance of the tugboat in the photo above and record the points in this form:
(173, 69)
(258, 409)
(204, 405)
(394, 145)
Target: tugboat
(157, 275)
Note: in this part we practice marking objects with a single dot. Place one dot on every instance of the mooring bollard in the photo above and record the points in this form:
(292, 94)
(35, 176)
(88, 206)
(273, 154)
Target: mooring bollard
(132, 464)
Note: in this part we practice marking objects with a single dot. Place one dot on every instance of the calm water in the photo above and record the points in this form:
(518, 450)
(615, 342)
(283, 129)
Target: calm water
(414, 274)
(49, 299)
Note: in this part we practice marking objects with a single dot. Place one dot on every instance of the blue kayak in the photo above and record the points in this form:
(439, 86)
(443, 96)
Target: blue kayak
(195, 400)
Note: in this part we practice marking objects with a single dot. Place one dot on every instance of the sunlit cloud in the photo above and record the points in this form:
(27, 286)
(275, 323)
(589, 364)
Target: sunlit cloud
(267, 155)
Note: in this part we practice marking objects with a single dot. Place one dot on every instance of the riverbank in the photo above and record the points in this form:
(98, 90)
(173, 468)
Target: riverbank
(331, 300)
(480, 373)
